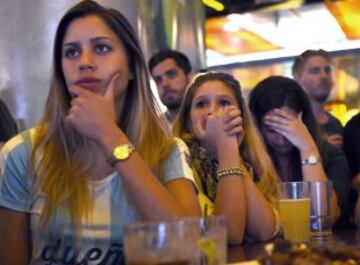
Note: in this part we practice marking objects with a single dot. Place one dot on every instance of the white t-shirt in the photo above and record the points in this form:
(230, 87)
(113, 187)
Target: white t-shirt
(101, 234)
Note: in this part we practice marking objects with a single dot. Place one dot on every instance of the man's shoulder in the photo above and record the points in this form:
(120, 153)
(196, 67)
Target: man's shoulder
(354, 122)
(333, 125)
(351, 134)
(333, 119)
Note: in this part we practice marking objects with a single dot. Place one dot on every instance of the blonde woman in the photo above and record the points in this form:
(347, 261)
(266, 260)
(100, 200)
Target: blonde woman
(225, 148)
(100, 157)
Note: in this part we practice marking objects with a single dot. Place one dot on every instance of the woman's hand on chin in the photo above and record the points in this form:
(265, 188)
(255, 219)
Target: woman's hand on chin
(91, 114)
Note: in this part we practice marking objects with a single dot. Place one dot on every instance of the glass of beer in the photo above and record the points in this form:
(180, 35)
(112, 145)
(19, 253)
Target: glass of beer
(294, 206)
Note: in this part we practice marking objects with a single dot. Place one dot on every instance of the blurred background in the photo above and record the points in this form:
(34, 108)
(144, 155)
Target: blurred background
(250, 39)
(255, 39)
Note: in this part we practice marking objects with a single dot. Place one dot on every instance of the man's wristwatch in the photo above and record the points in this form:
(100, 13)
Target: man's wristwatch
(120, 153)
(311, 160)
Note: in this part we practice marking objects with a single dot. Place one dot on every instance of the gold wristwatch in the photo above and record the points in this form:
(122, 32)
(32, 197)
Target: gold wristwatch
(120, 153)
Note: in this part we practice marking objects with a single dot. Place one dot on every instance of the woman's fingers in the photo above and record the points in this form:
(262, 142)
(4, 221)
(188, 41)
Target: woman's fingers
(281, 119)
(231, 112)
(237, 121)
(283, 114)
(273, 121)
(235, 131)
(276, 119)
(232, 118)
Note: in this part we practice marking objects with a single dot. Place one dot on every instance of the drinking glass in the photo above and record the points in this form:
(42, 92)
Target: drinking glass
(320, 210)
(294, 206)
(211, 240)
(190, 241)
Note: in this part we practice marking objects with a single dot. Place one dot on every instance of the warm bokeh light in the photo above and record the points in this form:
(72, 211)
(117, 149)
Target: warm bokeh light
(347, 13)
(225, 36)
(218, 6)
(339, 110)
(257, 36)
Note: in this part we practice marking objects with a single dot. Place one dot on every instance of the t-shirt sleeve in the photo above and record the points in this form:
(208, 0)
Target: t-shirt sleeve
(14, 187)
(178, 165)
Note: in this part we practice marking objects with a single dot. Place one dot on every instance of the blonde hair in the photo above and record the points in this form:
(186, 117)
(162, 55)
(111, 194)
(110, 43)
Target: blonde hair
(252, 148)
(62, 156)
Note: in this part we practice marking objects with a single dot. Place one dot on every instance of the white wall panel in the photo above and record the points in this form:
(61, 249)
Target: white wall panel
(26, 38)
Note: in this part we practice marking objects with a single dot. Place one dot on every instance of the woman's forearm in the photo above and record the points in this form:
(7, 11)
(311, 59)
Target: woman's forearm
(231, 202)
(151, 197)
(154, 200)
(230, 196)
(14, 239)
(261, 219)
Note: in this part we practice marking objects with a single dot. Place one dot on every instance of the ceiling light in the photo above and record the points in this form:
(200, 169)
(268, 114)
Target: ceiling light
(214, 4)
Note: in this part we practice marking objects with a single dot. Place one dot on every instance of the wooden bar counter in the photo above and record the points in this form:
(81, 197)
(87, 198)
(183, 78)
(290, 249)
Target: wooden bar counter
(251, 251)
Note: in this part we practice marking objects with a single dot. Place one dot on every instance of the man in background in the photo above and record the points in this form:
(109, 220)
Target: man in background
(313, 71)
(171, 71)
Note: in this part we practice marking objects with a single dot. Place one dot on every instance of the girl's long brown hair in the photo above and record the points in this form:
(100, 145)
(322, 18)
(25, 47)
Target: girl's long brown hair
(62, 156)
(252, 148)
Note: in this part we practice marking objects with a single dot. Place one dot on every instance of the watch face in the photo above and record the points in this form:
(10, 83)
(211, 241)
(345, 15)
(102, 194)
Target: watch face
(121, 152)
(312, 160)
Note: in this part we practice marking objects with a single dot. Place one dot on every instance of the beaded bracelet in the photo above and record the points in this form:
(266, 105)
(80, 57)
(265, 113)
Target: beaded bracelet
(229, 171)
